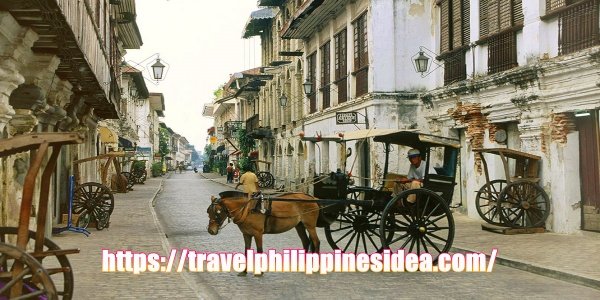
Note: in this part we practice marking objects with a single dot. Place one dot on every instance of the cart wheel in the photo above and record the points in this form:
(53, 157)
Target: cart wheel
(523, 204)
(425, 226)
(102, 219)
(265, 179)
(130, 180)
(487, 200)
(355, 229)
(84, 219)
(90, 195)
(35, 280)
(139, 175)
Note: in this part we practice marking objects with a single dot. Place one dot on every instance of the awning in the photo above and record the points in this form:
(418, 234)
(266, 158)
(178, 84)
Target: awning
(367, 133)
(259, 20)
(107, 135)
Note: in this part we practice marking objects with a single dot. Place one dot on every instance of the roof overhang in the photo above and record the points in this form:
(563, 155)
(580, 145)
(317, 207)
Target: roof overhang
(310, 16)
(127, 27)
(138, 79)
(270, 2)
(207, 110)
(259, 20)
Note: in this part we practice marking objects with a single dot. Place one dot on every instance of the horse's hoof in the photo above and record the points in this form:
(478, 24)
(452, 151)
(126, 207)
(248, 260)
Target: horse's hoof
(259, 275)
(241, 274)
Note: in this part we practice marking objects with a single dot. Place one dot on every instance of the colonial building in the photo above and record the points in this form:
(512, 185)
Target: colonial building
(59, 65)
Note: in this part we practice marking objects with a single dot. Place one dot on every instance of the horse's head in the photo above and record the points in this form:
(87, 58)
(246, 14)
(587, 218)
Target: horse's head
(217, 214)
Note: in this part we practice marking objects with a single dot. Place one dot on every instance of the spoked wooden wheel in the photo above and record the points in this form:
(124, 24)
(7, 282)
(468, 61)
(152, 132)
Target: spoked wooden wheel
(523, 204)
(95, 199)
(58, 267)
(355, 230)
(486, 201)
(35, 281)
(139, 175)
(420, 221)
(130, 180)
(265, 179)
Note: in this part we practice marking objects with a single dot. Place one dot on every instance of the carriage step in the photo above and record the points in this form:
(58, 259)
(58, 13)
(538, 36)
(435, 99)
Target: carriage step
(54, 252)
(510, 230)
(52, 271)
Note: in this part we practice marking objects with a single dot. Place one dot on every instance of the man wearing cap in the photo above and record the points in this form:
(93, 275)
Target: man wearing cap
(415, 176)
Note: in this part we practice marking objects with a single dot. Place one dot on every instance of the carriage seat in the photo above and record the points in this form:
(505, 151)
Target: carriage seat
(389, 181)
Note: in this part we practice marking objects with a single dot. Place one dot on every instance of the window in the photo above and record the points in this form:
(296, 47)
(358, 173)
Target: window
(454, 38)
(499, 22)
(341, 69)
(577, 22)
(312, 74)
(361, 55)
(325, 74)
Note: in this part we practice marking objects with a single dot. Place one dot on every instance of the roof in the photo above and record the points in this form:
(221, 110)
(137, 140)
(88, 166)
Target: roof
(138, 79)
(129, 31)
(270, 2)
(310, 17)
(258, 21)
(415, 139)
(510, 153)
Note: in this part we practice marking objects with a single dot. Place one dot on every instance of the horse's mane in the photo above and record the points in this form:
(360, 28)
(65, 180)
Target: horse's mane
(232, 194)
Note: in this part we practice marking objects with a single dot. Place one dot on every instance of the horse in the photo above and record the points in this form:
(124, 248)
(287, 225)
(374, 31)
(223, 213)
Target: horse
(283, 217)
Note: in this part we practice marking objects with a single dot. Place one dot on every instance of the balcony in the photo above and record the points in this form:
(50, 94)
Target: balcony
(255, 131)
(231, 128)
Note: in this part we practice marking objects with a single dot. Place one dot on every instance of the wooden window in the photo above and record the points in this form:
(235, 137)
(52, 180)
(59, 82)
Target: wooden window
(454, 38)
(499, 22)
(361, 55)
(325, 74)
(341, 61)
(311, 76)
(578, 24)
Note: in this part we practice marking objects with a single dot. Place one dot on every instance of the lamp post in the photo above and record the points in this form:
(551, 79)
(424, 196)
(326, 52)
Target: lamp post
(308, 87)
(421, 62)
(283, 100)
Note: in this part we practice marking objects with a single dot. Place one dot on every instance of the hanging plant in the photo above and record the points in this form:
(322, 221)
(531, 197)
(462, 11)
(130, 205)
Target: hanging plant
(246, 142)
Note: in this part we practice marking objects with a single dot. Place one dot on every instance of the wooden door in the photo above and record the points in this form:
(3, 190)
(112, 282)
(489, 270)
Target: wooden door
(589, 150)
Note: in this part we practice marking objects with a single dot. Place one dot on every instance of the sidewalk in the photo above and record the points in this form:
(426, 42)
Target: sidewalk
(133, 226)
(572, 258)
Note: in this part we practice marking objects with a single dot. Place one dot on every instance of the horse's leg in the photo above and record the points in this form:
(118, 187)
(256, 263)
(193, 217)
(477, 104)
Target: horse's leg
(312, 233)
(303, 236)
(258, 239)
(247, 245)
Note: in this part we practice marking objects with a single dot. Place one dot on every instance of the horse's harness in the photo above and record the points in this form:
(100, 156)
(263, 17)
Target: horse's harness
(212, 209)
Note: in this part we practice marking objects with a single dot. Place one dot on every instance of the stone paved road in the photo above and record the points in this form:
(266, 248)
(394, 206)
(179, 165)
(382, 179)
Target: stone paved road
(182, 210)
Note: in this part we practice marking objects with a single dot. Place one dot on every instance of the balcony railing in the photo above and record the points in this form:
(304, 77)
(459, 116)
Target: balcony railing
(254, 130)
(231, 128)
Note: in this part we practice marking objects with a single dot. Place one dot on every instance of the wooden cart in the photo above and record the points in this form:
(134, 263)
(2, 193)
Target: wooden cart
(22, 268)
(516, 201)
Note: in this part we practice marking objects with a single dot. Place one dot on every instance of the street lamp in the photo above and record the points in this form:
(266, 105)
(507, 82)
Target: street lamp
(308, 87)
(421, 62)
(157, 69)
(283, 100)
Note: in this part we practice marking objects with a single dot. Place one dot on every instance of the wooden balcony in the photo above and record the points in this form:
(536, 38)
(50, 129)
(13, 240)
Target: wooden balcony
(254, 130)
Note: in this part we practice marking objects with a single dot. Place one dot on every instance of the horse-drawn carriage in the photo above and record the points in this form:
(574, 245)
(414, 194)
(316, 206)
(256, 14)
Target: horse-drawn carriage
(29, 268)
(367, 219)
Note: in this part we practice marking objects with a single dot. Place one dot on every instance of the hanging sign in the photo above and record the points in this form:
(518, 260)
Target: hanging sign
(346, 118)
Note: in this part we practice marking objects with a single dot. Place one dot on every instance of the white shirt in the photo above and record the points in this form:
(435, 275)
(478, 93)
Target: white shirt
(417, 173)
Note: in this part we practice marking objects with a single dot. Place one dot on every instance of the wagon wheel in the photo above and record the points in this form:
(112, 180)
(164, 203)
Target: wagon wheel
(84, 219)
(487, 200)
(523, 204)
(91, 195)
(130, 180)
(355, 229)
(265, 179)
(36, 281)
(55, 265)
(139, 175)
(424, 226)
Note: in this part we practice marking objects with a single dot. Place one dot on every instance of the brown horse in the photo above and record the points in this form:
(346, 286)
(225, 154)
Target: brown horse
(283, 217)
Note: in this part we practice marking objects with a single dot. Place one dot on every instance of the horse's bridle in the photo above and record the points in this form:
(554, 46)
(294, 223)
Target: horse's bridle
(212, 208)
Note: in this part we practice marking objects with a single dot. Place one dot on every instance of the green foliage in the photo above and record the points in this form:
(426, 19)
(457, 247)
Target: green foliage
(218, 93)
(156, 169)
(246, 142)
(245, 163)
(138, 165)
(163, 142)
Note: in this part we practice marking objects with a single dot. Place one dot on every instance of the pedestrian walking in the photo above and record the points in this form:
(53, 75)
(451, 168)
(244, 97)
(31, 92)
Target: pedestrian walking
(230, 170)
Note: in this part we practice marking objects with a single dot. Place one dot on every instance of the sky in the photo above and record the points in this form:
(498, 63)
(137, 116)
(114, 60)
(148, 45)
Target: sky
(202, 43)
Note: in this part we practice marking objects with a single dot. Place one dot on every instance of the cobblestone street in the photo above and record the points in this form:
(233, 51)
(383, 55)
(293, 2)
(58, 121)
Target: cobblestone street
(182, 210)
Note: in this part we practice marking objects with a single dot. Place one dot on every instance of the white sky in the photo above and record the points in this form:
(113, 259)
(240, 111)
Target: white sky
(201, 41)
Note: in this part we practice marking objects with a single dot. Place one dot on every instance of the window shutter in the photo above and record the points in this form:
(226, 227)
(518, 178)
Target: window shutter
(493, 16)
(466, 27)
(505, 15)
(365, 45)
(554, 4)
(457, 40)
(483, 18)
(517, 8)
(445, 27)
(356, 45)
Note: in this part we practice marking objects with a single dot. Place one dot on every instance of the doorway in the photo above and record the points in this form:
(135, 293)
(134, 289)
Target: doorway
(589, 156)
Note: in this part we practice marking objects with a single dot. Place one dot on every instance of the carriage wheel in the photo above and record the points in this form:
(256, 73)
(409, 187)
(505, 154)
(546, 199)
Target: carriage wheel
(355, 230)
(265, 179)
(523, 204)
(130, 180)
(90, 196)
(424, 226)
(55, 265)
(36, 281)
(139, 175)
(84, 220)
(487, 200)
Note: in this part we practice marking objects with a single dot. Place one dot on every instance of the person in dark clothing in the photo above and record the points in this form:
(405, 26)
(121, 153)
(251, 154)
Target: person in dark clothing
(230, 170)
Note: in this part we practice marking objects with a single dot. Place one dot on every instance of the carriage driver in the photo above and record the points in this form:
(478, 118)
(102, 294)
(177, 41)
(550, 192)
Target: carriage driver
(416, 173)
(249, 181)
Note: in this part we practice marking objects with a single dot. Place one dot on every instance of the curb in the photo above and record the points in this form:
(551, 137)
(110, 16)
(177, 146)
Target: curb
(165, 242)
(536, 269)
